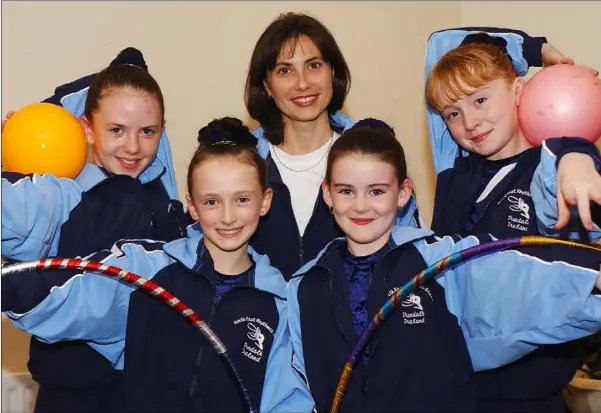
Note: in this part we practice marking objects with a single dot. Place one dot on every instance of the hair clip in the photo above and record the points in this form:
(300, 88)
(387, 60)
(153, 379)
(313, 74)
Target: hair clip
(224, 142)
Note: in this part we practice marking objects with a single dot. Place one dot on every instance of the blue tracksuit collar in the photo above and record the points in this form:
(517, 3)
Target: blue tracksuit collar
(89, 176)
(190, 251)
(401, 234)
(263, 144)
(404, 234)
(92, 174)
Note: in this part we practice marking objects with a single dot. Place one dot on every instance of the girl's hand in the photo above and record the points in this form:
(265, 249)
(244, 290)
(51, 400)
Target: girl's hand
(8, 116)
(578, 183)
(551, 56)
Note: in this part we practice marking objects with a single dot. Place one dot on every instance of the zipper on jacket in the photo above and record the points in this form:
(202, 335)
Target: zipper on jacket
(301, 250)
(298, 235)
(332, 305)
(377, 341)
(470, 227)
(301, 244)
(332, 288)
(201, 348)
(216, 301)
(509, 176)
(364, 374)
(172, 210)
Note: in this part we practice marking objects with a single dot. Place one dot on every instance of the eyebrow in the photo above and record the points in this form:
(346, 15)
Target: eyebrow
(123, 126)
(342, 185)
(452, 105)
(309, 60)
(237, 193)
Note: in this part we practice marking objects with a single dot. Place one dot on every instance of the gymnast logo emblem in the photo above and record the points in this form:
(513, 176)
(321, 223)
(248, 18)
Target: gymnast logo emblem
(256, 335)
(415, 313)
(256, 332)
(518, 205)
(518, 202)
(413, 301)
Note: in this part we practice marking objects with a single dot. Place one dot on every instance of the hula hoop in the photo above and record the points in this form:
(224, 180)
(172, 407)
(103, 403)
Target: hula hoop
(147, 286)
(393, 303)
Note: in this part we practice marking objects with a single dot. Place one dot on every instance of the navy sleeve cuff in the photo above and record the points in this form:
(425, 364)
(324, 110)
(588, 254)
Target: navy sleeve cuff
(533, 50)
(532, 46)
(22, 292)
(128, 55)
(69, 88)
(565, 145)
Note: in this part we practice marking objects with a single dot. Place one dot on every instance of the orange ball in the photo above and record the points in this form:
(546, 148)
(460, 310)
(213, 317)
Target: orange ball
(44, 138)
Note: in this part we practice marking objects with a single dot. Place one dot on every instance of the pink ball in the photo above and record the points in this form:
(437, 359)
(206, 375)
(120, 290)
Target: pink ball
(561, 100)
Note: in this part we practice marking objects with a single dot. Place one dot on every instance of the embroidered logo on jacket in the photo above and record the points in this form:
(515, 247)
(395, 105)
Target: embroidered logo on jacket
(413, 302)
(255, 335)
(519, 215)
(256, 329)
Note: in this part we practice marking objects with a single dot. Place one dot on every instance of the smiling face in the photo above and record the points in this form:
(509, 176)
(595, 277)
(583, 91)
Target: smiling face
(365, 194)
(476, 90)
(125, 130)
(485, 122)
(227, 200)
(301, 82)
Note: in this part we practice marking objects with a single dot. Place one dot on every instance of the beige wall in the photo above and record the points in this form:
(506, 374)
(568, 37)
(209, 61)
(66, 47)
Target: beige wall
(572, 26)
(198, 51)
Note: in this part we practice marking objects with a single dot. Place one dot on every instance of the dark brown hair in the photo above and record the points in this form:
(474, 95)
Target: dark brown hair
(288, 28)
(369, 137)
(227, 137)
(123, 75)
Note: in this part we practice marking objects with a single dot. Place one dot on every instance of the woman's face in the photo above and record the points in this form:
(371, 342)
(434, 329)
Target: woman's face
(125, 131)
(301, 82)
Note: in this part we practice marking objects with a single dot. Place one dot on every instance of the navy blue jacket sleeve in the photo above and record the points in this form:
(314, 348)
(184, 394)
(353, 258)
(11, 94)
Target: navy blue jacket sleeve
(85, 306)
(531, 47)
(128, 55)
(69, 88)
(22, 292)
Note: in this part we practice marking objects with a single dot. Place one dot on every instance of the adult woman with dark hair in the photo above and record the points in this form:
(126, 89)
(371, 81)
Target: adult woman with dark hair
(297, 83)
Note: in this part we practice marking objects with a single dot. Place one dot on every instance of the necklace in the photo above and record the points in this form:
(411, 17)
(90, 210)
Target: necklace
(306, 169)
